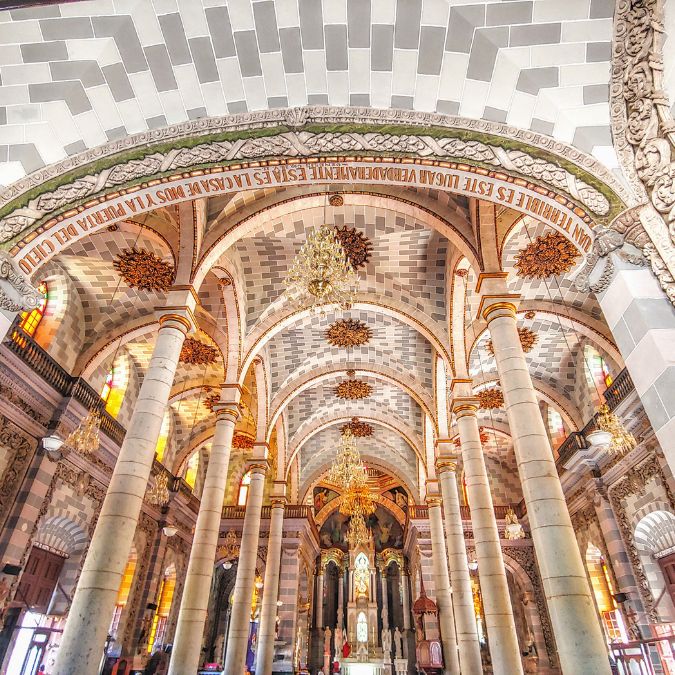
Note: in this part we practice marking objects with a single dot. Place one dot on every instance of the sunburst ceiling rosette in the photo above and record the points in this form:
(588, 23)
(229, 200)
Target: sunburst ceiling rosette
(353, 389)
(528, 338)
(357, 428)
(546, 256)
(348, 333)
(490, 398)
(357, 247)
(141, 269)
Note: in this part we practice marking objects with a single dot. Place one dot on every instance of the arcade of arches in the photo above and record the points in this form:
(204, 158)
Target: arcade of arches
(500, 178)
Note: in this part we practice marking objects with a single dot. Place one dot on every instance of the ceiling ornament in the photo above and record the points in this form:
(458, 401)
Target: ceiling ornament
(141, 269)
(321, 274)
(462, 273)
(353, 389)
(622, 440)
(357, 428)
(211, 399)
(242, 441)
(548, 255)
(348, 333)
(358, 248)
(197, 353)
(528, 338)
(484, 437)
(357, 532)
(336, 200)
(530, 314)
(490, 398)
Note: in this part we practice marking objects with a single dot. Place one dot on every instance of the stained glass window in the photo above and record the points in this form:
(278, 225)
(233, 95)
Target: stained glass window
(243, 488)
(31, 320)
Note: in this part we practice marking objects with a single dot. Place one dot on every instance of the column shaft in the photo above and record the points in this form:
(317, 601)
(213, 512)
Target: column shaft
(319, 599)
(462, 596)
(341, 598)
(501, 628)
(442, 586)
(240, 617)
(268, 613)
(581, 646)
(385, 599)
(195, 600)
(84, 636)
(405, 600)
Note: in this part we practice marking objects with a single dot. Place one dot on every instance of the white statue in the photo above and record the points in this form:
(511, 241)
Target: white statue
(339, 642)
(386, 642)
(398, 641)
(326, 640)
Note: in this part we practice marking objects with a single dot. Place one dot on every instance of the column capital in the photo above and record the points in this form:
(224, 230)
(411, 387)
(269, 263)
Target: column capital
(180, 317)
(434, 500)
(258, 466)
(503, 304)
(226, 411)
(278, 502)
(465, 405)
(446, 463)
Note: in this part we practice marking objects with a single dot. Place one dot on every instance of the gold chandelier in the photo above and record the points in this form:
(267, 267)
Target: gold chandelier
(622, 440)
(357, 532)
(321, 274)
(85, 438)
(158, 494)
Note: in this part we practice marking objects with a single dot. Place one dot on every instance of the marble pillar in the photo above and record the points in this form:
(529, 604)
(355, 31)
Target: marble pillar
(499, 622)
(442, 586)
(581, 646)
(240, 617)
(462, 596)
(341, 597)
(385, 598)
(194, 603)
(405, 599)
(89, 617)
(319, 596)
(268, 613)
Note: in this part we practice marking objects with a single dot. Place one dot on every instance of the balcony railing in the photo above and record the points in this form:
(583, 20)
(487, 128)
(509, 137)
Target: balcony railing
(291, 511)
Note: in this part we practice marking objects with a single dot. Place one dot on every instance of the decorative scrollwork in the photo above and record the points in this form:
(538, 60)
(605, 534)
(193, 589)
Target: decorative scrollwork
(548, 255)
(141, 269)
(195, 352)
(528, 338)
(358, 248)
(353, 390)
(490, 398)
(358, 428)
(348, 333)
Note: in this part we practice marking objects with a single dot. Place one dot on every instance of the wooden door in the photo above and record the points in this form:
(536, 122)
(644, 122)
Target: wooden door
(39, 578)
(667, 565)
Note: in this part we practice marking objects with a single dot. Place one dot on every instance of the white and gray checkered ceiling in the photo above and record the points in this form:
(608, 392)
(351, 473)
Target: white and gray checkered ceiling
(75, 75)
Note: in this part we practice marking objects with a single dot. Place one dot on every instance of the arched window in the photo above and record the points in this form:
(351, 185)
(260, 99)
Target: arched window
(556, 426)
(191, 469)
(603, 591)
(160, 448)
(30, 320)
(123, 592)
(159, 621)
(600, 375)
(243, 489)
(108, 386)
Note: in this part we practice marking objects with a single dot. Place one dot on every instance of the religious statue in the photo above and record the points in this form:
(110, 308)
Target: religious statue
(386, 643)
(398, 642)
(339, 641)
(326, 641)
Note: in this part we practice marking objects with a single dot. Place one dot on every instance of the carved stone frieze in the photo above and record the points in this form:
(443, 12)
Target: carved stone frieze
(464, 140)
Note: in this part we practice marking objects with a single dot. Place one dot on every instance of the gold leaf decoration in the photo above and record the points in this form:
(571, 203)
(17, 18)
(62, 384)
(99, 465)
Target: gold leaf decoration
(242, 441)
(530, 314)
(141, 269)
(336, 200)
(490, 398)
(195, 352)
(528, 338)
(348, 333)
(546, 256)
(353, 390)
(358, 428)
(211, 400)
(356, 245)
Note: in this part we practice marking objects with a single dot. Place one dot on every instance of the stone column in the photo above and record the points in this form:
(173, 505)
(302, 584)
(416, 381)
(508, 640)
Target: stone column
(268, 613)
(462, 596)
(341, 597)
(195, 600)
(319, 596)
(501, 628)
(405, 599)
(442, 586)
(385, 598)
(581, 646)
(240, 617)
(84, 636)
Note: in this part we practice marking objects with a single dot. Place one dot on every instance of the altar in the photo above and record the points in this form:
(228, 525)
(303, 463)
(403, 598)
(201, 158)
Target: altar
(354, 668)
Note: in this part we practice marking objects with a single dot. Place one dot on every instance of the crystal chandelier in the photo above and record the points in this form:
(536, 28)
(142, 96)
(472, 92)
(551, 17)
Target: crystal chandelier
(321, 273)
(85, 438)
(513, 529)
(158, 494)
(622, 440)
(357, 532)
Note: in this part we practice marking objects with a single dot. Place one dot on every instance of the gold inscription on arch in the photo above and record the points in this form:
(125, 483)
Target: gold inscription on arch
(545, 205)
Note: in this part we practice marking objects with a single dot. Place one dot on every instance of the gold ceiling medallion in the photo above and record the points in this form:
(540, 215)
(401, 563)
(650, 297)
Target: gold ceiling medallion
(357, 428)
(528, 338)
(242, 441)
(530, 314)
(197, 353)
(336, 200)
(546, 256)
(348, 333)
(358, 248)
(141, 269)
(490, 398)
(353, 389)
(321, 273)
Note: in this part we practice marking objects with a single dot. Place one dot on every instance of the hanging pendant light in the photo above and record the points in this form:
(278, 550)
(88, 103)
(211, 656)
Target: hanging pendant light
(622, 440)
(158, 494)
(85, 439)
